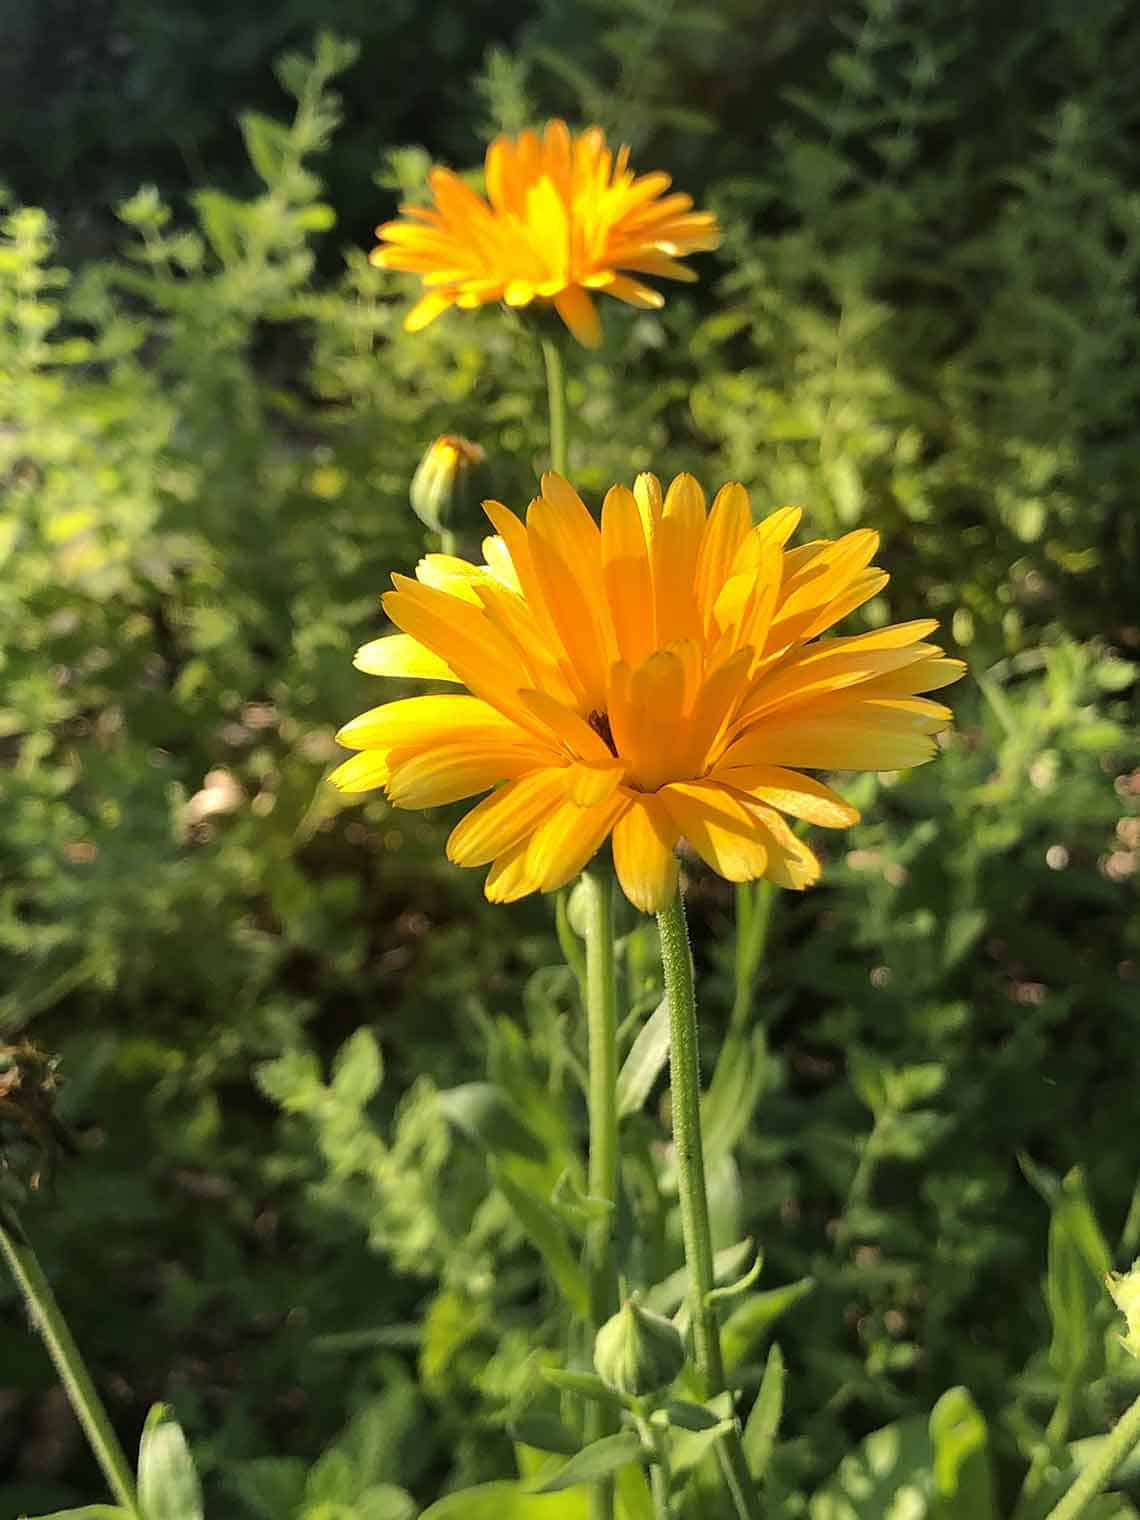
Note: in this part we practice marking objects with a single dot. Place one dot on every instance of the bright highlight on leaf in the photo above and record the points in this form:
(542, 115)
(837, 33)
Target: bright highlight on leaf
(564, 218)
(656, 678)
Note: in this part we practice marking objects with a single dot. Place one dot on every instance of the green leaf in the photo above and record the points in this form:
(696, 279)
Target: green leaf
(1078, 1261)
(963, 1477)
(168, 1482)
(384, 1501)
(688, 1416)
(545, 1433)
(887, 1477)
(270, 1486)
(727, 1107)
(268, 144)
(741, 1285)
(755, 1317)
(634, 1501)
(507, 1501)
(666, 1296)
(332, 1480)
(1113, 674)
(357, 1069)
(578, 1209)
(223, 221)
(544, 1227)
(689, 1447)
(587, 1385)
(594, 1461)
(764, 1420)
(485, 1113)
(90, 1512)
(643, 1065)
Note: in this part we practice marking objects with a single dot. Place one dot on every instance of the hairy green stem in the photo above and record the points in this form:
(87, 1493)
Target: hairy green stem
(47, 1318)
(556, 399)
(1117, 1445)
(601, 1022)
(685, 1083)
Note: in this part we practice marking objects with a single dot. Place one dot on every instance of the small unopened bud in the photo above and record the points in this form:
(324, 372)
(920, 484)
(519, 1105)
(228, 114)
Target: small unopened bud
(637, 1351)
(445, 483)
(1125, 1290)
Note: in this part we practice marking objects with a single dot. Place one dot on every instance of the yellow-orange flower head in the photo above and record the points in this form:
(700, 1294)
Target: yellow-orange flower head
(656, 678)
(564, 218)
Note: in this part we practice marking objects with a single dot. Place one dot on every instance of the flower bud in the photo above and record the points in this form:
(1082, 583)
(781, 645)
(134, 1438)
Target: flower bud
(1125, 1290)
(444, 486)
(637, 1351)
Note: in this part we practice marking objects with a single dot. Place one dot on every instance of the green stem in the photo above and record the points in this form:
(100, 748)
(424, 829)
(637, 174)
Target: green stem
(556, 400)
(1054, 1435)
(659, 1480)
(46, 1316)
(1117, 1444)
(685, 1082)
(754, 912)
(601, 1022)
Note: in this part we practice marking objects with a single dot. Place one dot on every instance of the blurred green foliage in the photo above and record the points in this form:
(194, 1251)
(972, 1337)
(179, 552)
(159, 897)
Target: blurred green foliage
(327, 1098)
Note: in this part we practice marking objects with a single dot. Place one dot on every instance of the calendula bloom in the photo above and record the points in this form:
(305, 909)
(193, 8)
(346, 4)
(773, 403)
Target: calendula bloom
(564, 218)
(660, 677)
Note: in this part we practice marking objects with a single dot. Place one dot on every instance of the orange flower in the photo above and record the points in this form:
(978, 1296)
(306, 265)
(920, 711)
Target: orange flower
(656, 678)
(565, 219)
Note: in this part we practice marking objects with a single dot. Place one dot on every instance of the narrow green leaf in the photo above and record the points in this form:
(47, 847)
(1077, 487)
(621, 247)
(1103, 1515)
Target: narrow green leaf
(688, 1416)
(485, 1114)
(688, 1448)
(506, 1501)
(764, 1420)
(593, 1462)
(727, 1107)
(741, 1285)
(587, 1385)
(643, 1065)
(545, 1433)
(755, 1317)
(666, 1296)
(548, 1236)
(89, 1512)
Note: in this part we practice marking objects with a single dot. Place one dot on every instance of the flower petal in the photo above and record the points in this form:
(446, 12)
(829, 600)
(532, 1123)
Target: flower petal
(718, 826)
(399, 655)
(568, 838)
(507, 818)
(424, 720)
(361, 773)
(577, 310)
(830, 744)
(449, 772)
(802, 796)
(644, 854)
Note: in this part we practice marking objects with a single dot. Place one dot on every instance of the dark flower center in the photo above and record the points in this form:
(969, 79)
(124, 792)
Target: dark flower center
(600, 723)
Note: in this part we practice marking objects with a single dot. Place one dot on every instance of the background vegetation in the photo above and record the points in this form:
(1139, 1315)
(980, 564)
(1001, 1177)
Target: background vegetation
(924, 318)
